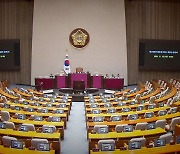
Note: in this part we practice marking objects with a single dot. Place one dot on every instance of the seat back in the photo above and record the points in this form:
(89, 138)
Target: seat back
(101, 129)
(167, 137)
(9, 125)
(7, 140)
(161, 123)
(48, 128)
(174, 121)
(116, 118)
(106, 145)
(119, 128)
(141, 126)
(35, 141)
(140, 139)
(5, 116)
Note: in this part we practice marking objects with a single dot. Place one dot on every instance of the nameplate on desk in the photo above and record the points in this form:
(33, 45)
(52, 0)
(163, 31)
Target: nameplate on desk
(47, 91)
(109, 91)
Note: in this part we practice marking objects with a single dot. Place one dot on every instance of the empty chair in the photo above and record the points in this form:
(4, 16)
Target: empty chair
(148, 114)
(173, 110)
(151, 100)
(162, 112)
(167, 137)
(106, 145)
(34, 142)
(141, 126)
(111, 110)
(116, 118)
(98, 119)
(9, 125)
(96, 111)
(48, 129)
(5, 116)
(161, 123)
(174, 121)
(101, 129)
(1, 105)
(7, 140)
(28, 127)
(119, 128)
(140, 139)
(132, 117)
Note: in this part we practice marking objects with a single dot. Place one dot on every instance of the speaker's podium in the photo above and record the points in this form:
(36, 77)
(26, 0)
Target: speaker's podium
(78, 86)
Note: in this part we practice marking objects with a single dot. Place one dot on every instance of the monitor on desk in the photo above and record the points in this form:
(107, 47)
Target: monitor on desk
(17, 144)
(2, 125)
(43, 147)
(159, 142)
(107, 147)
(134, 145)
(128, 128)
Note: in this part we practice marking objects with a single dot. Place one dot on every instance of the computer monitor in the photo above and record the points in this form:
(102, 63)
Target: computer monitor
(126, 109)
(133, 116)
(48, 105)
(151, 126)
(128, 128)
(111, 110)
(173, 110)
(116, 118)
(151, 106)
(17, 144)
(98, 119)
(44, 110)
(134, 145)
(17, 108)
(23, 128)
(107, 147)
(102, 130)
(60, 111)
(36, 104)
(43, 147)
(25, 102)
(21, 116)
(2, 125)
(132, 102)
(48, 130)
(149, 115)
(56, 119)
(162, 113)
(38, 118)
(30, 109)
(142, 101)
(95, 111)
(62, 105)
(139, 108)
(6, 106)
(159, 142)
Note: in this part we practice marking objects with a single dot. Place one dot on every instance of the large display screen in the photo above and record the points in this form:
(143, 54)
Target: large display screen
(9, 55)
(159, 55)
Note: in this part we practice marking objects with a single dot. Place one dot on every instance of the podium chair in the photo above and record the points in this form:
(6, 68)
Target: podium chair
(79, 70)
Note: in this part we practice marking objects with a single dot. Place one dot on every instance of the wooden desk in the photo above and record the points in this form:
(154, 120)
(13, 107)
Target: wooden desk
(138, 92)
(21, 93)
(30, 134)
(8, 95)
(6, 150)
(135, 133)
(35, 92)
(156, 150)
(158, 90)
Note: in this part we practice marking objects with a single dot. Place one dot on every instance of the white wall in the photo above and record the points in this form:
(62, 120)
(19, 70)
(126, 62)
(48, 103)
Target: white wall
(54, 20)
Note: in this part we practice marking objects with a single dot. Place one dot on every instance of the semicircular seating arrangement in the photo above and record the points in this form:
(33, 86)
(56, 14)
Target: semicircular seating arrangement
(32, 121)
(142, 119)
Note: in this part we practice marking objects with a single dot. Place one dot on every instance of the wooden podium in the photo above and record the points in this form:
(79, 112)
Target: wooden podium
(78, 85)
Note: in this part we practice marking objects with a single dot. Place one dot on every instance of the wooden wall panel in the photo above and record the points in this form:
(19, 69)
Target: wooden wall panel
(150, 19)
(16, 17)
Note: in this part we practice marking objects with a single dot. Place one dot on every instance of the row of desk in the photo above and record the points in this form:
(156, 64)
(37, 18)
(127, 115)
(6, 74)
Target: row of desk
(95, 81)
